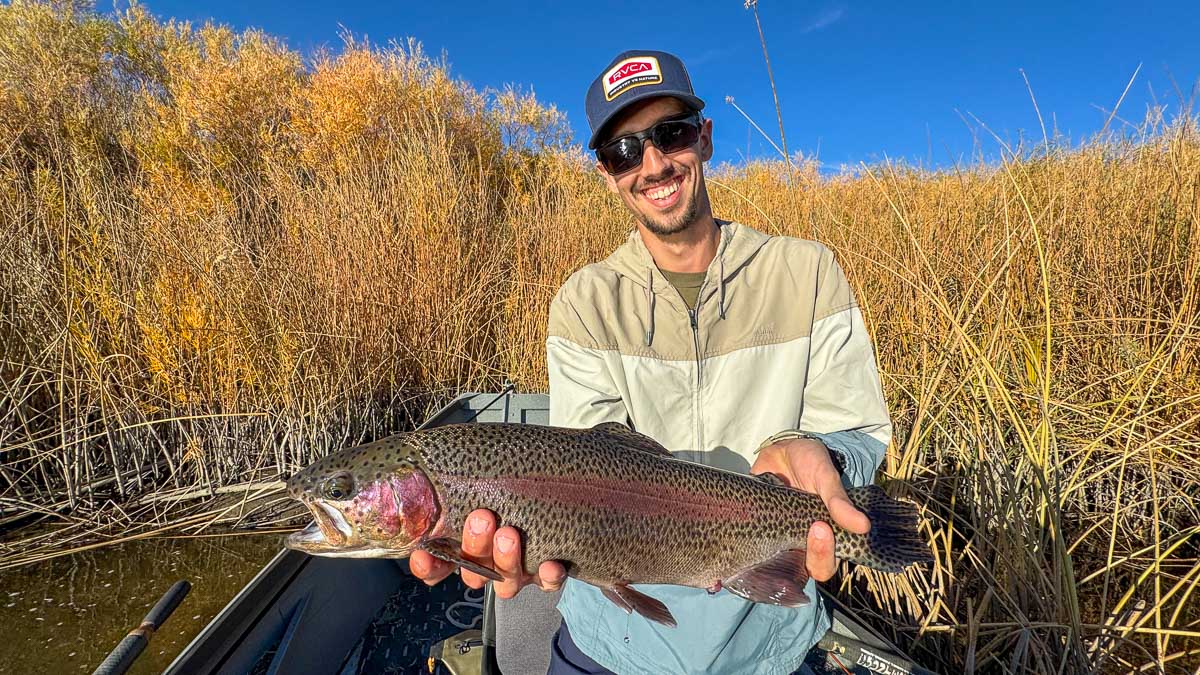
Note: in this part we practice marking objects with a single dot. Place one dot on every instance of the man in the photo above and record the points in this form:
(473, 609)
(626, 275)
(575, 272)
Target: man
(709, 337)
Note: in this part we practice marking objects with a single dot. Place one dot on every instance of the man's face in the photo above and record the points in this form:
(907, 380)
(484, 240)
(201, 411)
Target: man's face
(666, 192)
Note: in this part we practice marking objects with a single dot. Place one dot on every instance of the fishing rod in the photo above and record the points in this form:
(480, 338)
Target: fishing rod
(131, 646)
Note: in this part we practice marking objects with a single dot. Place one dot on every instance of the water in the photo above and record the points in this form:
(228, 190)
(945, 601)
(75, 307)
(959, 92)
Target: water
(66, 614)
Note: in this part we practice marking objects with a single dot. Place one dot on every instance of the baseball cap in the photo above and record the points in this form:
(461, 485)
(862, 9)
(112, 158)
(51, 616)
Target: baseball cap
(632, 76)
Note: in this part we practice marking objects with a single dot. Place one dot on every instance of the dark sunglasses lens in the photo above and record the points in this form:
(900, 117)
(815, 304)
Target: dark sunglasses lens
(621, 155)
(675, 136)
(625, 153)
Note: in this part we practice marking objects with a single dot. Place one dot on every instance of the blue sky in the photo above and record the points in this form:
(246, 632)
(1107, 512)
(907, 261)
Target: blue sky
(857, 82)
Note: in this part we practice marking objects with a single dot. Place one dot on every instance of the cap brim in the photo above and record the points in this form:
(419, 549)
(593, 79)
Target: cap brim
(693, 101)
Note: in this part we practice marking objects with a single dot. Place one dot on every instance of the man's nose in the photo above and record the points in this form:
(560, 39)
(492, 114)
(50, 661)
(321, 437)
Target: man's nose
(653, 159)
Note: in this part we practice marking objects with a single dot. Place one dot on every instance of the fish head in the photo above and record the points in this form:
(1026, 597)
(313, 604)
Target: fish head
(366, 503)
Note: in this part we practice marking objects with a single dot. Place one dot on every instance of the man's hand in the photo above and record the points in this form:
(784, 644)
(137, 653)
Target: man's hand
(497, 549)
(804, 464)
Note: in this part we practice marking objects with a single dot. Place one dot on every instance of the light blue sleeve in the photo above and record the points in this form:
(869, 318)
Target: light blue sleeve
(861, 453)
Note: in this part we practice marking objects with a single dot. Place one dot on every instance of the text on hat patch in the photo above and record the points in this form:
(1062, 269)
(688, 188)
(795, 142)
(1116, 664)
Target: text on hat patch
(632, 72)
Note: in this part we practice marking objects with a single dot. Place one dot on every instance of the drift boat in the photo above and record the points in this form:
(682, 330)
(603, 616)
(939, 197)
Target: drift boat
(303, 614)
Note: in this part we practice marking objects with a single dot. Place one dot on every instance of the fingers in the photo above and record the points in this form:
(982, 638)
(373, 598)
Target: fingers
(819, 555)
(551, 575)
(507, 555)
(499, 549)
(477, 543)
(428, 568)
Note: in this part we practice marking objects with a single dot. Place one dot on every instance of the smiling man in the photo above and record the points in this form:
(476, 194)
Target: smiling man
(728, 346)
(733, 348)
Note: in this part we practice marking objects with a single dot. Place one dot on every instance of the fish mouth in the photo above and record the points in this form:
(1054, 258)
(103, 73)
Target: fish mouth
(309, 537)
(328, 531)
(328, 535)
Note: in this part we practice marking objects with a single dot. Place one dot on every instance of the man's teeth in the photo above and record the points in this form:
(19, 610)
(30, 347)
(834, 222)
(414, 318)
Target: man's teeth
(663, 192)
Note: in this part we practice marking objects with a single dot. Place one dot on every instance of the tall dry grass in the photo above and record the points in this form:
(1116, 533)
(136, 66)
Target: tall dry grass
(219, 260)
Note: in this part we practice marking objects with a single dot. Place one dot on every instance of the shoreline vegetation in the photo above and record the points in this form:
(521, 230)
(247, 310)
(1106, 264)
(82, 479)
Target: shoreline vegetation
(220, 260)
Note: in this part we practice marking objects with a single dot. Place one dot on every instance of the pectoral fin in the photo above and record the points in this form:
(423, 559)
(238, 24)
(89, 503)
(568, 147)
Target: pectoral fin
(777, 581)
(634, 601)
(450, 550)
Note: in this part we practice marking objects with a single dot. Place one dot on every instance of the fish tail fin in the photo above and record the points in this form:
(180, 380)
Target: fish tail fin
(893, 542)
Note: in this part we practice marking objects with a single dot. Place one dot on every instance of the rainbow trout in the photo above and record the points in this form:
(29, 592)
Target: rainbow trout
(612, 504)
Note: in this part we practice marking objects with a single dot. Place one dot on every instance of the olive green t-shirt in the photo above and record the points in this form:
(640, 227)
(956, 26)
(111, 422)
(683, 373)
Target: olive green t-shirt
(687, 283)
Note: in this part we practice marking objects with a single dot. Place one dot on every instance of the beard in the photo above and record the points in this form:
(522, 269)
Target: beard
(672, 224)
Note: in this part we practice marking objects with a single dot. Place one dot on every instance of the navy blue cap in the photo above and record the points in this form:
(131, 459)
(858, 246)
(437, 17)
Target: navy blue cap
(632, 76)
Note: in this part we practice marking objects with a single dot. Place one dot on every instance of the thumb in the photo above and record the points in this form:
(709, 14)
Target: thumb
(842, 511)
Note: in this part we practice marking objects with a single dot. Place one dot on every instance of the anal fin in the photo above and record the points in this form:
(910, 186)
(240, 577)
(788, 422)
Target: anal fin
(777, 581)
(635, 601)
(450, 550)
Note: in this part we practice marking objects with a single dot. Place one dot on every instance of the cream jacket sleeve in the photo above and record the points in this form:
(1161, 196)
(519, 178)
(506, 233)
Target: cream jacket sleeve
(582, 390)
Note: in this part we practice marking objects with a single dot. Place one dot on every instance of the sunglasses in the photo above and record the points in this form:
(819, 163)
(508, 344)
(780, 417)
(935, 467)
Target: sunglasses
(672, 135)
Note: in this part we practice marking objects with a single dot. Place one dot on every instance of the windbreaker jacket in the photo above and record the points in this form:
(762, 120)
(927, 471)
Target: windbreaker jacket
(775, 345)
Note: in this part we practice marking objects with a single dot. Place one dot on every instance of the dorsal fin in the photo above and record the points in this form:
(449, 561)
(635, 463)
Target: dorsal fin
(631, 438)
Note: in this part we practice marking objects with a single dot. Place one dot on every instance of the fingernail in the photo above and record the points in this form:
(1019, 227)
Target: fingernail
(477, 525)
(505, 544)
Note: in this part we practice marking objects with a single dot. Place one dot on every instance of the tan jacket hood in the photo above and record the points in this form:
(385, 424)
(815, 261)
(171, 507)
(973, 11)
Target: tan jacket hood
(632, 260)
(738, 244)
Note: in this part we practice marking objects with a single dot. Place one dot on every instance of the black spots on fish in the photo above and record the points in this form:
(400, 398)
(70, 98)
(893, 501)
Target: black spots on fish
(599, 541)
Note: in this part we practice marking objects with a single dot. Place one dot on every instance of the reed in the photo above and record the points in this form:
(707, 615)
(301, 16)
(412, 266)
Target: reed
(219, 261)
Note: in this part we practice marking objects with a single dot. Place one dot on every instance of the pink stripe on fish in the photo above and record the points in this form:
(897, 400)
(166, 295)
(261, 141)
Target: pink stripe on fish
(617, 495)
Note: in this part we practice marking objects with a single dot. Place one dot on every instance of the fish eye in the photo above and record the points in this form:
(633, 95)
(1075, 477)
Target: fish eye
(339, 487)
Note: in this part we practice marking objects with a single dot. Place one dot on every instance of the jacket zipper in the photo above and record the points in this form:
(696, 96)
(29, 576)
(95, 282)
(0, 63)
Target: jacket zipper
(693, 320)
(696, 407)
